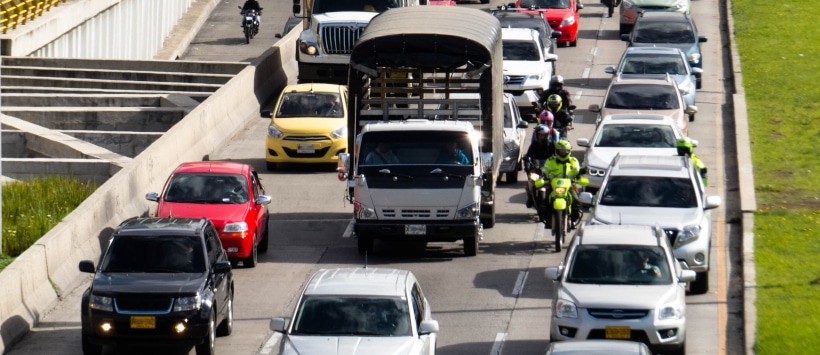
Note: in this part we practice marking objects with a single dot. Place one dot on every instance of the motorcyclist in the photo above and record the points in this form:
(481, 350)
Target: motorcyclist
(253, 5)
(686, 148)
(563, 120)
(611, 5)
(541, 148)
(563, 165)
(545, 119)
(557, 87)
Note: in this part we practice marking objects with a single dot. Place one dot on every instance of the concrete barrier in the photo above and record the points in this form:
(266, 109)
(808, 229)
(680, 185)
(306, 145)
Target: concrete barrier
(48, 269)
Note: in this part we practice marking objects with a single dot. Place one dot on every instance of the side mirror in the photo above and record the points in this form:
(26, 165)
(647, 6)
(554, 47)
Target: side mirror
(523, 124)
(582, 142)
(263, 200)
(585, 198)
(625, 37)
(712, 202)
(428, 327)
(343, 166)
(551, 57)
(277, 324)
(87, 266)
(579, 7)
(595, 108)
(267, 113)
(609, 70)
(222, 267)
(152, 196)
(551, 273)
(687, 276)
(691, 109)
(702, 39)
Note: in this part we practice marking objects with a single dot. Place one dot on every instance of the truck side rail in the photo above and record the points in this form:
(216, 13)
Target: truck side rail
(393, 109)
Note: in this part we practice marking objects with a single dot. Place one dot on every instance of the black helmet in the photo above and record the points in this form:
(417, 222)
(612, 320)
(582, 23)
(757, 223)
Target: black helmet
(557, 80)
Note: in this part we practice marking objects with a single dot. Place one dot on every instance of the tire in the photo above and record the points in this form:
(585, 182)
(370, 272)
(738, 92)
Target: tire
(263, 244)
(559, 228)
(471, 246)
(248, 35)
(573, 43)
(692, 118)
(226, 327)
(700, 285)
(680, 351)
(89, 348)
(624, 29)
(252, 259)
(365, 245)
(512, 176)
(207, 345)
(488, 222)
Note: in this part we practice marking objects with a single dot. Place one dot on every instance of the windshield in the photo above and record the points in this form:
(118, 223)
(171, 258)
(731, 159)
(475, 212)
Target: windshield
(546, 4)
(653, 64)
(154, 254)
(636, 136)
(619, 265)
(520, 50)
(416, 148)
(649, 191)
(207, 188)
(352, 315)
(323, 6)
(642, 97)
(309, 104)
(664, 32)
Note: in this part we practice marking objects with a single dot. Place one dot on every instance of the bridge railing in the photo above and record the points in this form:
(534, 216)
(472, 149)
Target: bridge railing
(15, 12)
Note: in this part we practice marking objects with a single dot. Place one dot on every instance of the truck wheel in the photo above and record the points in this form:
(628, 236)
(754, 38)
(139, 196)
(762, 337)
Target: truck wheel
(470, 246)
(512, 176)
(365, 245)
(701, 284)
(488, 222)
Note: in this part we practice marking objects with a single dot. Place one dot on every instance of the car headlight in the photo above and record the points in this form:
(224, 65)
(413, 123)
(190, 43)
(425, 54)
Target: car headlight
(469, 212)
(362, 212)
(308, 43)
(693, 57)
(565, 309)
(182, 304)
(568, 21)
(593, 171)
(339, 133)
(235, 227)
(101, 303)
(681, 4)
(688, 234)
(274, 132)
(669, 312)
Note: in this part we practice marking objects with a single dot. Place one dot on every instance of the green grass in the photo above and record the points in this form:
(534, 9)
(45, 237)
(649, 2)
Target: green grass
(31, 208)
(779, 53)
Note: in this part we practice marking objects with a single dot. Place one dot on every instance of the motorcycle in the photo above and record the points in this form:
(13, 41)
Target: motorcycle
(560, 198)
(249, 24)
(536, 197)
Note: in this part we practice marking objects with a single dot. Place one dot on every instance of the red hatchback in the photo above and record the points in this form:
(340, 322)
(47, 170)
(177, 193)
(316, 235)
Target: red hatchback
(230, 195)
(562, 15)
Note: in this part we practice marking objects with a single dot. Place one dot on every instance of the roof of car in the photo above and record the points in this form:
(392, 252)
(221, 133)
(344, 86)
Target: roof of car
(515, 33)
(162, 225)
(650, 165)
(664, 16)
(359, 281)
(637, 117)
(653, 50)
(620, 234)
(219, 167)
(620, 80)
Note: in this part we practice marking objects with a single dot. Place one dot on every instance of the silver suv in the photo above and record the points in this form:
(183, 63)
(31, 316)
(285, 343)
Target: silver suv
(620, 282)
(359, 311)
(667, 190)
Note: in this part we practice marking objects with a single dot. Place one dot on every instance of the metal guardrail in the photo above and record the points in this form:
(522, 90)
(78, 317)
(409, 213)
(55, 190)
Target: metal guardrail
(15, 12)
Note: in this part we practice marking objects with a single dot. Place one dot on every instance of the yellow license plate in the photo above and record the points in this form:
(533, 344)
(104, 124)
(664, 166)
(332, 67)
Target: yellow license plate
(143, 322)
(618, 332)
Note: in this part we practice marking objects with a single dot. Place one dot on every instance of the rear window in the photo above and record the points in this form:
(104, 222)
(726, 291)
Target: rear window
(649, 191)
(636, 136)
(642, 97)
(664, 32)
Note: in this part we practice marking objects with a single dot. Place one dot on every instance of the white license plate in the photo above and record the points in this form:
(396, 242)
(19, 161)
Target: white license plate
(306, 149)
(415, 229)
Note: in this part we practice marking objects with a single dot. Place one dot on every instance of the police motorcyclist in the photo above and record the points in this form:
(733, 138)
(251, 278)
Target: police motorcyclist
(686, 148)
(253, 5)
(564, 165)
(557, 87)
(563, 120)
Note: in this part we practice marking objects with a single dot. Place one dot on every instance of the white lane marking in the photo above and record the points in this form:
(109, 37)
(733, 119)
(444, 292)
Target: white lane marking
(271, 343)
(578, 95)
(585, 75)
(498, 344)
(519, 283)
(540, 232)
(594, 51)
(349, 230)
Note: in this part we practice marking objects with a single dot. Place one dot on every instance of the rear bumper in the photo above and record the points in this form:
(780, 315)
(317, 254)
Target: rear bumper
(448, 231)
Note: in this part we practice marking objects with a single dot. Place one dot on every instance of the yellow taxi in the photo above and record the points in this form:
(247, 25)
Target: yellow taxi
(308, 125)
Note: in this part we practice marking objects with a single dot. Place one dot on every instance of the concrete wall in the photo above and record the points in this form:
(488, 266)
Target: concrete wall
(33, 283)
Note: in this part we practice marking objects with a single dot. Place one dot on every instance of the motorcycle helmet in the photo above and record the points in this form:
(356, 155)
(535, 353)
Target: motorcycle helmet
(563, 149)
(557, 82)
(554, 102)
(684, 145)
(541, 129)
(546, 118)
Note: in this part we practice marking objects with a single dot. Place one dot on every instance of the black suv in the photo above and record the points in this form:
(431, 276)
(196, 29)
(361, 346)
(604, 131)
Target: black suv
(160, 281)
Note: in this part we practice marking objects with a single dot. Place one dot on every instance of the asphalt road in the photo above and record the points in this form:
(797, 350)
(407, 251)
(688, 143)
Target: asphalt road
(495, 303)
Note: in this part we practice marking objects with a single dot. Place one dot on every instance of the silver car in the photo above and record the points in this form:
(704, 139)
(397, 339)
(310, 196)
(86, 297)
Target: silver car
(515, 132)
(620, 282)
(667, 190)
(627, 133)
(359, 311)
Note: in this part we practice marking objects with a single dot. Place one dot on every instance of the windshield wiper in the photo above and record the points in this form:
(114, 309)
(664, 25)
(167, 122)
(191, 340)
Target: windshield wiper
(438, 171)
(388, 172)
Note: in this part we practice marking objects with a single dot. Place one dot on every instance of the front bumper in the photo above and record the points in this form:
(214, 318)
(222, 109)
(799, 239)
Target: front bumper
(647, 329)
(448, 231)
(695, 254)
(237, 247)
(287, 151)
(163, 334)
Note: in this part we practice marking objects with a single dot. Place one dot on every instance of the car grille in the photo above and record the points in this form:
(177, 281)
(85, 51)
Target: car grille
(606, 313)
(554, 24)
(339, 39)
(514, 80)
(416, 213)
(142, 304)
(658, 8)
(316, 154)
(306, 138)
(671, 234)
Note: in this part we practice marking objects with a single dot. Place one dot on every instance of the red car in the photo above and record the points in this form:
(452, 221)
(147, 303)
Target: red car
(562, 15)
(230, 195)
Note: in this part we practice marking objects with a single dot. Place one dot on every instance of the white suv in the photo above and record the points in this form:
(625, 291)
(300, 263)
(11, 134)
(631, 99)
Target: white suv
(527, 69)
(667, 190)
(620, 282)
(359, 311)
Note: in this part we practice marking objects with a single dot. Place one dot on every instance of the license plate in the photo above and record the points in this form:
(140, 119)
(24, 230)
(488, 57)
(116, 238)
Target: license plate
(618, 332)
(143, 322)
(415, 229)
(306, 149)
